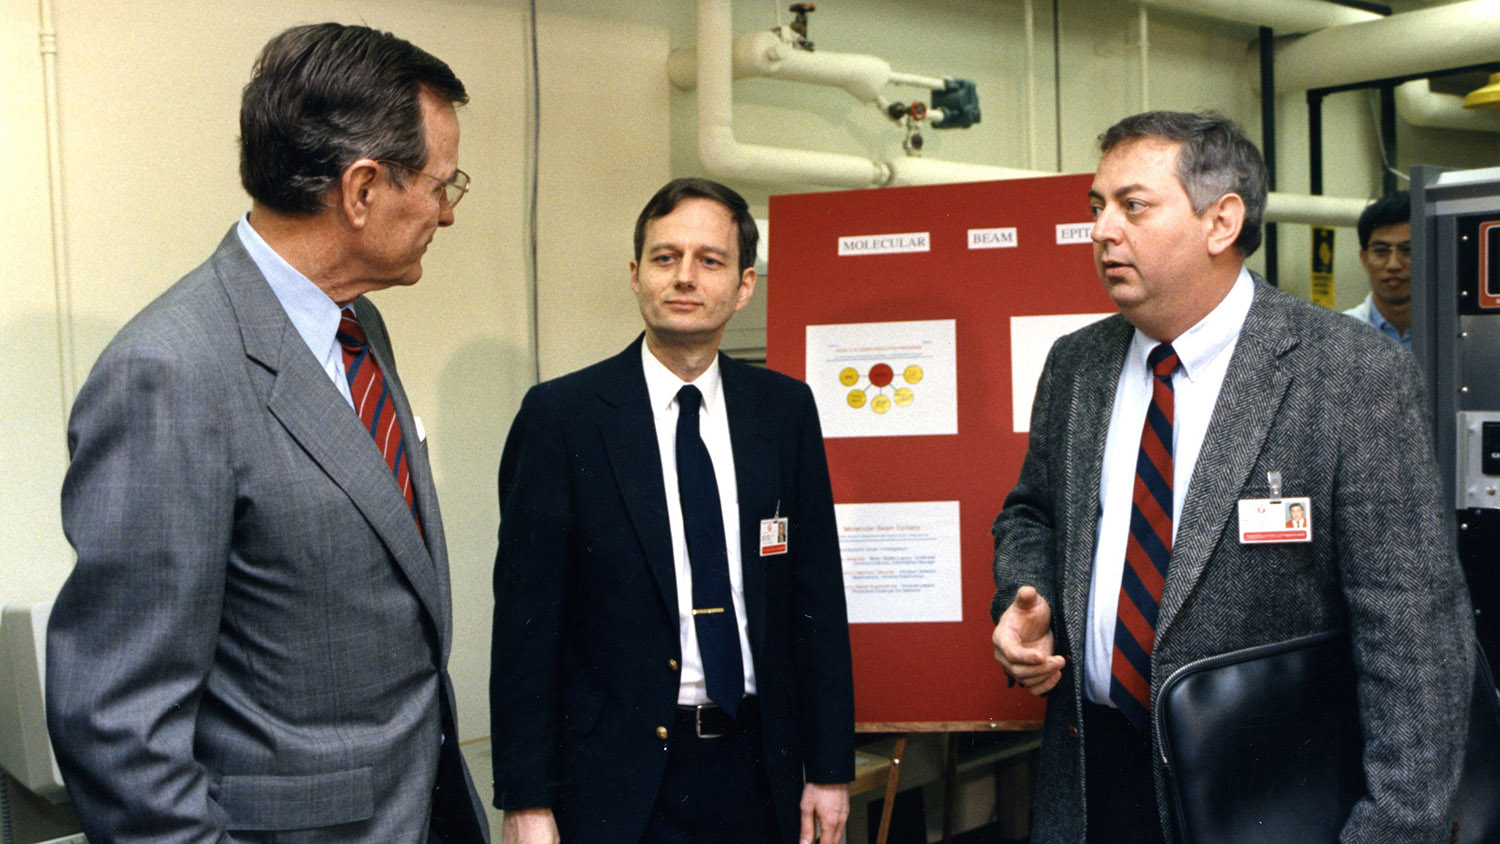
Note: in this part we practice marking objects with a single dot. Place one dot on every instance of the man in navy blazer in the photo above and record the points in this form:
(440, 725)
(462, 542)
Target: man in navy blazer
(1272, 400)
(254, 643)
(604, 727)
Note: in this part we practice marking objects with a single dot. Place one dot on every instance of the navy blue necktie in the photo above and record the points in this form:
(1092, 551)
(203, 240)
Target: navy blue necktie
(708, 557)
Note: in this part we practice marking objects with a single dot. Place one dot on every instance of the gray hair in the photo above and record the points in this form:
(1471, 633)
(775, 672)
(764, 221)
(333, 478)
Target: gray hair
(1215, 159)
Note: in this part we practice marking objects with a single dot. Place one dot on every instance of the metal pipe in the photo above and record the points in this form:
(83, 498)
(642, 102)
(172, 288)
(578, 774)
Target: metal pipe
(1419, 105)
(1313, 210)
(1143, 46)
(1387, 139)
(725, 157)
(1285, 16)
(1409, 44)
(1028, 17)
(61, 279)
(1268, 144)
(931, 83)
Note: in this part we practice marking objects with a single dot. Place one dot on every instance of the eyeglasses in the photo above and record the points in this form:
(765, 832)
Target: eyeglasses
(1381, 251)
(453, 189)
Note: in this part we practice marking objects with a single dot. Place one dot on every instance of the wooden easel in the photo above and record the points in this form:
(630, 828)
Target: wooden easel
(892, 770)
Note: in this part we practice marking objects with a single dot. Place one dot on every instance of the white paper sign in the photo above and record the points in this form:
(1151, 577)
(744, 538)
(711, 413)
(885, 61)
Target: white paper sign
(992, 238)
(1074, 233)
(901, 561)
(885, 244)
(1031, 338)
(884, 379)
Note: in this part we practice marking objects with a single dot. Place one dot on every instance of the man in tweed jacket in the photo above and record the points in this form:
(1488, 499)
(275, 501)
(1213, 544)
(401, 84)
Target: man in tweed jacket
(1267, 384)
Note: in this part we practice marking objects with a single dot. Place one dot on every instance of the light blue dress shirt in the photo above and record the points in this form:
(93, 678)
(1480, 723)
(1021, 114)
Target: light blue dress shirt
(313, 314)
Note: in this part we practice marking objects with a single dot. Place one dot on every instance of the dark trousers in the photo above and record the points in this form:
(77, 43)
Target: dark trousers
(1119, 788)
(715, 790)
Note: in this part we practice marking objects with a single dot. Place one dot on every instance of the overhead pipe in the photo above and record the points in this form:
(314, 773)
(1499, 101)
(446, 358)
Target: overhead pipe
(1143, 45)
(61, 277)
(766, 54)
(1409, 44)
(1313, 210)
(1419, 105)
(1028, 20)
(1287, 17)
(725, 157)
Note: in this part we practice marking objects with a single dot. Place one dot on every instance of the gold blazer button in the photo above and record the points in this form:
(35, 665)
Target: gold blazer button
(661, 733)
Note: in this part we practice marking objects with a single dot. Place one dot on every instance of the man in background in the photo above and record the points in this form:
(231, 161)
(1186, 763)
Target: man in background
(1120, 556)
(671, 654)
(1385, 253)
(253, 645)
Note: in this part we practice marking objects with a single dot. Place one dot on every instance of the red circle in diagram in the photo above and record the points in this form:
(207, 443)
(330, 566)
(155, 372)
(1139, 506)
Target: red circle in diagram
(880, 374)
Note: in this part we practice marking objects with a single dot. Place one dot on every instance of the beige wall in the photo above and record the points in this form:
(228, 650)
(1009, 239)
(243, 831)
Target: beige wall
(148, 93)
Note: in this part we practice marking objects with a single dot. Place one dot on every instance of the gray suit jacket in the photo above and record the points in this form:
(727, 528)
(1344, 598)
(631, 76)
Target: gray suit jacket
(1337, 409)
(253, 645)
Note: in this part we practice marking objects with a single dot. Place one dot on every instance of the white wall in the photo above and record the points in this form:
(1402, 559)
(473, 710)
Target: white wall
(148, 95)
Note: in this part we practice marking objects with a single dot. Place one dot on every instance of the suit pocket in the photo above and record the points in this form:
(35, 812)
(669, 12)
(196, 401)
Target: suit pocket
(258, 802)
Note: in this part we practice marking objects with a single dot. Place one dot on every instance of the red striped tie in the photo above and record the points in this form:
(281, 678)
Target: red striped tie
(1147, 550)
(373, 401)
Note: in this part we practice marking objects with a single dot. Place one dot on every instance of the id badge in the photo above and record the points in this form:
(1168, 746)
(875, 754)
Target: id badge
(1264, 520)
(773, 536)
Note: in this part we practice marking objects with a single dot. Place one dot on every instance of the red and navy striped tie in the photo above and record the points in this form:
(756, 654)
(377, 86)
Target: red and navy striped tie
(372, 400)
(1147, 550)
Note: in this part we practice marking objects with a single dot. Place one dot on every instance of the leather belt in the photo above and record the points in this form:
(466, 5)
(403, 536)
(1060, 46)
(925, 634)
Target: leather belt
(708, 721)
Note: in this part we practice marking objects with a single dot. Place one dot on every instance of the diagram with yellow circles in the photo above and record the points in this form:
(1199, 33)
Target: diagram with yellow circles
(884, 379)
(880, 377)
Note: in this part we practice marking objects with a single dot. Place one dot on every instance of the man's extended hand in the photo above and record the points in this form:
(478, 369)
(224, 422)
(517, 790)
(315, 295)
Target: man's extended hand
(1023, 643)
(827, 807)
(529, 826)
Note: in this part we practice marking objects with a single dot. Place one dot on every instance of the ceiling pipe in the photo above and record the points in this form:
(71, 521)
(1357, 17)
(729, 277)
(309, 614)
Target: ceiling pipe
(913, 170)
(1313, 210)
(725, 157)
(1419, 105)
(1288, 17)
(765, 54)
(1412, 43)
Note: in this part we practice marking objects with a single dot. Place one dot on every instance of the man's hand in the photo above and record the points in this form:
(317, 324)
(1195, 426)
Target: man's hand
(1023, 643)
(529, 826)
(825, 806)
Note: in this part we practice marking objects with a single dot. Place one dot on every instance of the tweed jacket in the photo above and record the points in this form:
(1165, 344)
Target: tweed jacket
(253, 644)
(1339, 411)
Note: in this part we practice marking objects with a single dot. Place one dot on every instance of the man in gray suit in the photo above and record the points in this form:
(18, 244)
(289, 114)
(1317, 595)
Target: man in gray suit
(1123, 552)
(253, 645)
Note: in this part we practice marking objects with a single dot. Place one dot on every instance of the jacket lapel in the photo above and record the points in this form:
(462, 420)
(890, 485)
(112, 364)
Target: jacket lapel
(1254, 387)
(629, 431)
(757, 480)
(300, 396)
(1093, 399)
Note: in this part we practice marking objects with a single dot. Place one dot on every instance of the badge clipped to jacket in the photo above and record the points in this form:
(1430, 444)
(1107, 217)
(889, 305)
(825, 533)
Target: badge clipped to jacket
(1275, 519)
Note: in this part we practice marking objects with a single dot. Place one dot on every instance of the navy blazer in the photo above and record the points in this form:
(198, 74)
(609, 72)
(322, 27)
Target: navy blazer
(586, 627)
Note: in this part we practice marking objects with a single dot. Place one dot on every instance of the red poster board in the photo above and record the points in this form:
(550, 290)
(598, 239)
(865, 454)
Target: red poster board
(934, 675)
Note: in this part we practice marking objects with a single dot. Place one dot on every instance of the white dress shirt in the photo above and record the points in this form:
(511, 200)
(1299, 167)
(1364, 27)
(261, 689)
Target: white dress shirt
(713, 427)
(1204, 350)
(313, 314)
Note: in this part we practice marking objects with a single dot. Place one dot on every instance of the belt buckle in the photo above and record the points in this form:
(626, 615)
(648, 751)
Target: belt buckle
(698, 722)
